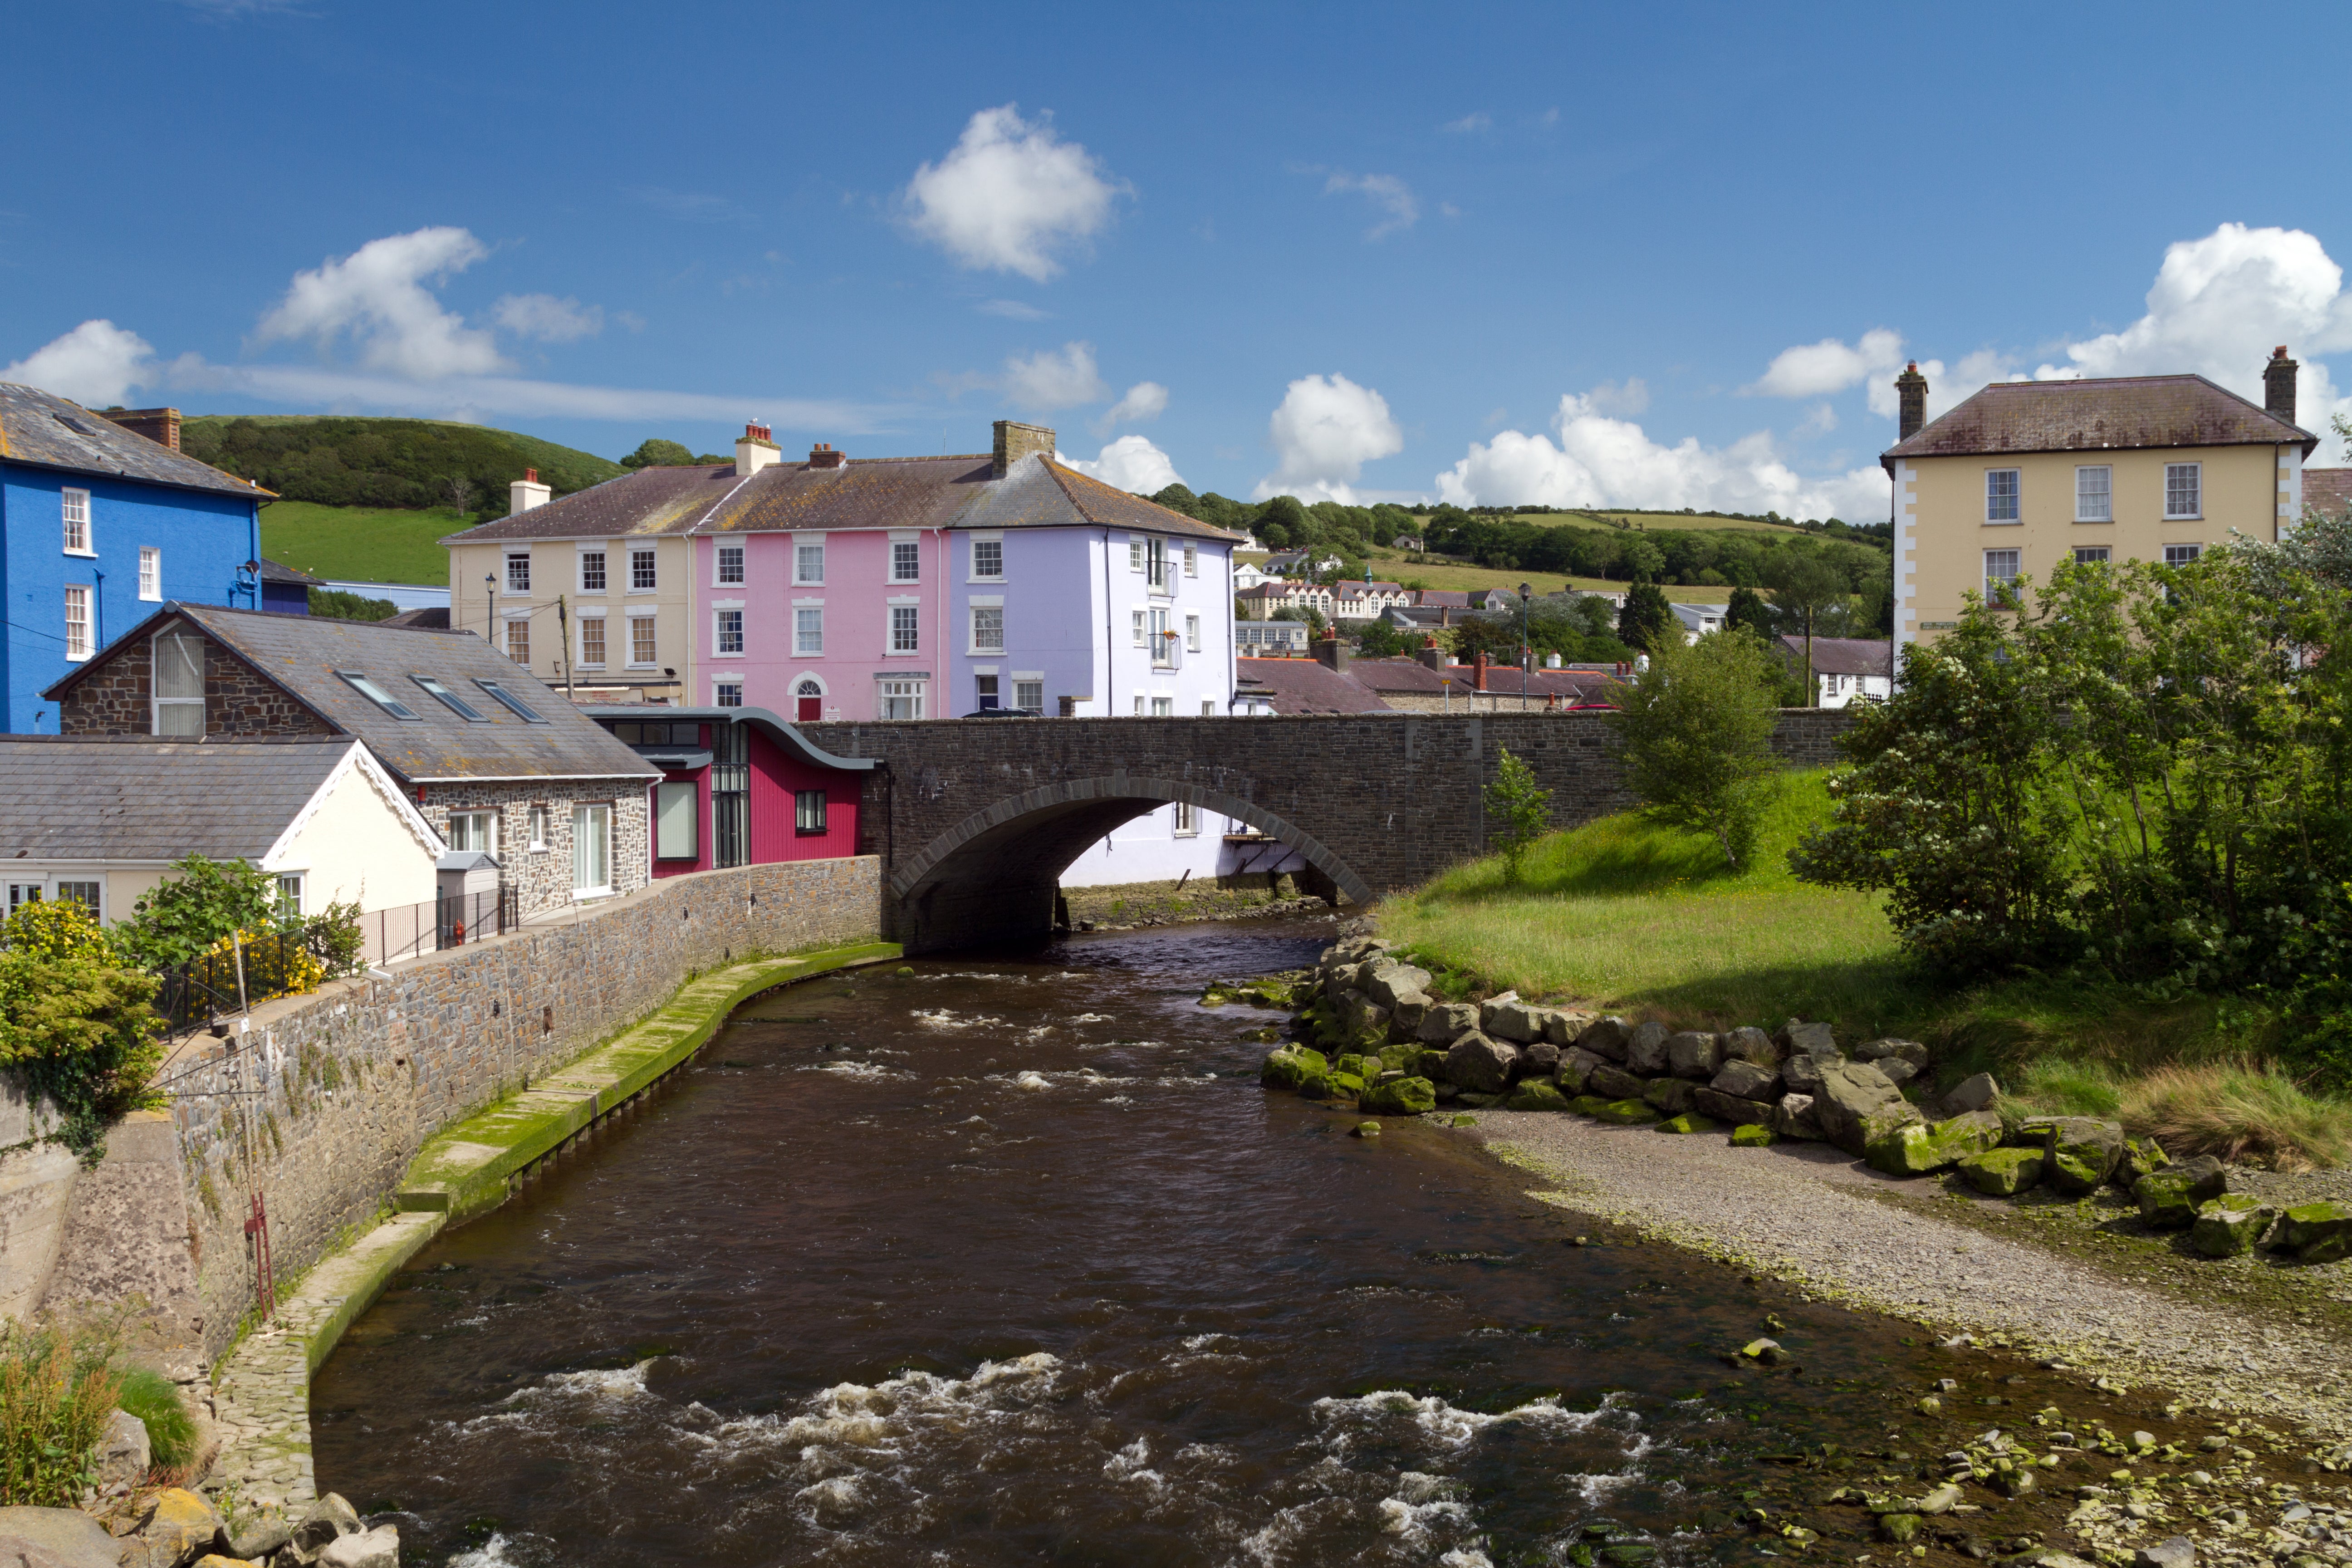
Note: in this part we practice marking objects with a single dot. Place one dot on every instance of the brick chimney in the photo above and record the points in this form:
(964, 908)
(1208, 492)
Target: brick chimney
(1332, 654)
(2278, 385)
(755, 449)
(1478, 672)
(1015, 441)
(1432, 656)
(1911, 399)
(526, 493)
(161, 426)
(824, 457)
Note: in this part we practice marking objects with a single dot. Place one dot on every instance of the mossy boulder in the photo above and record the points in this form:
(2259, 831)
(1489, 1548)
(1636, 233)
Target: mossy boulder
(1628, 1112)
(1400, 1097)
(2232, 1225)
(1290, 1066)
(1535, 1095)
(2003, 1173)
(1347, 1084)
(1588, 1105)
(2083, 1152)
(2170, 1198)
(2316, 1233)
(2141, 1155)
(1688, 1121)
(1672, 1095)
(1920, 1148)
(1902, 1529)
(1754, 1135)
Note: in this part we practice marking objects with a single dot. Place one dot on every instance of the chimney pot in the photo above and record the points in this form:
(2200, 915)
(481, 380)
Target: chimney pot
(1015, 441)
(2278, 385)
(1911, 400)
(754, 450)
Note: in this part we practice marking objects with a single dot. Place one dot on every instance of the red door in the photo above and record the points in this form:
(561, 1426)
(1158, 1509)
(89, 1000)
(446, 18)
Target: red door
(812, 709)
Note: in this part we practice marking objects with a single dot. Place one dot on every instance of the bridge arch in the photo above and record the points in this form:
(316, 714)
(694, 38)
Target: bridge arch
(991, 877)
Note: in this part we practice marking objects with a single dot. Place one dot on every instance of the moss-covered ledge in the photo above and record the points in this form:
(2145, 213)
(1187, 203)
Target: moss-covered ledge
(468, 1168)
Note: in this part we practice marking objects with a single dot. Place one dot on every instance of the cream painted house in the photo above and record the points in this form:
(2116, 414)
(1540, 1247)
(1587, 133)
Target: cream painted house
(2025, 475)
(102, 819)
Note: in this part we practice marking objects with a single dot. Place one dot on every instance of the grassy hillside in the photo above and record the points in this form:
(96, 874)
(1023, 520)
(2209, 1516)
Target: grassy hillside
(366, 545)
(1647, 520)
(407, 464)
(1399, 565)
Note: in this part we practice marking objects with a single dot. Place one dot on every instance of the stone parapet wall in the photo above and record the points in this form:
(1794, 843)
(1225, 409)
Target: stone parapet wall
(333, 1094)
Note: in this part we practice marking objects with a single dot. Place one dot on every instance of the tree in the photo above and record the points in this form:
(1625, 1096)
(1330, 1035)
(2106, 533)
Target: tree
(75, 1020)
(658, 453)
(1696, 729)
(1641, 560)
(1378, 639)
(1177, 498)
(459, 493)
(340, 604)
(1803, 586)
(178, 919)
(1645, 623)
(1518, 811)
(1749, 610)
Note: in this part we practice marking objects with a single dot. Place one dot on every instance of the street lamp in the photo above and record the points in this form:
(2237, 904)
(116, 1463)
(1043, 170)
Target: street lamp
(491, 627)
(1526, 650)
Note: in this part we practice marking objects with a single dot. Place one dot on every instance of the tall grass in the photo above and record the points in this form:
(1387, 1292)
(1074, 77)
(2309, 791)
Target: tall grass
(171, 1430)
(56, 1388)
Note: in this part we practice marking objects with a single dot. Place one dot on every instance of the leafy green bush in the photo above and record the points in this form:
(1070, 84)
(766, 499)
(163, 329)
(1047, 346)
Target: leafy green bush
(181, 918)
(1696, 729)
(155, 1400)
(1519, 811)
(341, 604)
(56, 1388)
(74, 1019)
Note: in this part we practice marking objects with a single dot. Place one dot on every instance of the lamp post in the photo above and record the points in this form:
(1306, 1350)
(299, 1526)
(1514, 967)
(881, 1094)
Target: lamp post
(1527, 652)
(491, 627)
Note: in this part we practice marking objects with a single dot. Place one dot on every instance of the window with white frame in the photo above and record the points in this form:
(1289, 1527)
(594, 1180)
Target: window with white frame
(730, 631)
(2184, 490)
(808, 631)
(591, 641)
(77, 622)
(2093, 555)
(1163, 641)
(151, 572)
(642, 649)
(519, 640)
(591, 570)
(539, 826)
(808, 563)
(1140, 620)
(986, 693)
(906, 629)
(988, 558)
(642, 576)
(676, 808)
(1134, 553)
(76, 511)
(474, 830)
(85, 894)
(179, 684)
(1208, 707)
(2001, 489)
(290, 893)
(517, 571)
(2000, 572)
(728, 694)
(2095, 493)
(1187, 820)
(988, 629)
(1163, 708)
(730, 563)
(1139, 705)
(905, 561)
(1192, 561)
(1155, 565)
(902, 699)
(1029, 694)
(1191, 634)
(591, 851)
(2182, 555)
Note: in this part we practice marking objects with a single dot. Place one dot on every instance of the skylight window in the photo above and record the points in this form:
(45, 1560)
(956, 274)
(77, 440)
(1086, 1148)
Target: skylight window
(377, 695)
(450, 700)
(512, 703)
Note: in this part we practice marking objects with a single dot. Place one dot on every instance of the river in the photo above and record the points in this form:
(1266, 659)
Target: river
(1007, 1262)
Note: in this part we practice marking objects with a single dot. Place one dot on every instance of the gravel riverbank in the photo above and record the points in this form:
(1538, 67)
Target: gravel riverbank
(1811, 1216)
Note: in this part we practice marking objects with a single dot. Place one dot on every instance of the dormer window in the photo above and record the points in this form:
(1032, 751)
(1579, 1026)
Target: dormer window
(378, 695)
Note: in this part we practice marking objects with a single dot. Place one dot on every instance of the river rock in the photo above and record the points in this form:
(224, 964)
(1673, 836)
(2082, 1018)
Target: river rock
(1627, 1112)
(1606, 1037)
(61, 1536)
(2002, 1173)
(1898, 1071)
(1535, 1094)
(1340, 979)
(1753, 1135)
(1522, 1023)
(1732, 1108)
(1446, 1022)
(1407, 1015)
(377, 1548)
(1563, 1027)
(1688, 1121)
(1794, 1118)
(1814, 1039)
(257, 1539)
(2230, 1224)
(1400, 1097)
(1365, 1020)
(1386, 981)
(2169, 1199)
(1289, 1066)
(1575, 1069)
(1978, 1091)
(1670, 1095)
(122, 1452)
(1481, 1063)
(1612, 1082)
(180, 1525)
(2178, 1551)
(1693, 1053)
(2141, 1156)
(1850, 1092)
(1747, 1079)
(2316, 1233)
(2083, 1152)
(1878, 1051)
(1801, 1075)
(1646, 1050)
(1918, 1148)
(1750, 1044)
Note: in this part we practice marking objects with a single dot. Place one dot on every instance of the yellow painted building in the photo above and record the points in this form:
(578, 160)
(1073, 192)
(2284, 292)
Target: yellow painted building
(2025, 475)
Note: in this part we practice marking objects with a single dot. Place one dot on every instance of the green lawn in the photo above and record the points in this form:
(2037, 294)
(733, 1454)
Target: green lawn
(361, 544)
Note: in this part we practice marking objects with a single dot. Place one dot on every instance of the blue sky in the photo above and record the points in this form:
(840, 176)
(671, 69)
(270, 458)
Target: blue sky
(1623, 255)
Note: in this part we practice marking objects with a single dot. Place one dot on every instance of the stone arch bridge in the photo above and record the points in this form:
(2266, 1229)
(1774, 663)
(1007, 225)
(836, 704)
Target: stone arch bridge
(975, 819)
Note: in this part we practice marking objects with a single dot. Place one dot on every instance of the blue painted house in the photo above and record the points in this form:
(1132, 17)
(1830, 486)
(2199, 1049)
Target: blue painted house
(100, 524)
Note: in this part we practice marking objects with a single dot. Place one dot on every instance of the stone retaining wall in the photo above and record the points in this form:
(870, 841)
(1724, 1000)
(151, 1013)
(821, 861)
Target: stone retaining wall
(334, 1093)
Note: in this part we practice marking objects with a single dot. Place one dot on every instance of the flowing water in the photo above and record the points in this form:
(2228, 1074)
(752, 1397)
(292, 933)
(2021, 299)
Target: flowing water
(1008, 1262)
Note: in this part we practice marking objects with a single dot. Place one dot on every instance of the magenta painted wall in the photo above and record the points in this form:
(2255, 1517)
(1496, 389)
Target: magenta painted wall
(775, 777)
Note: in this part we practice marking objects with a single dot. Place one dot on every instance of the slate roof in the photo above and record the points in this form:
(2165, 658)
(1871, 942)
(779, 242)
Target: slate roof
(2327, 492)
(273, 571)
(1406, 675)
(1844, 656)
(1298, 685)
(74, 798)
(302, 653)
(54, 433)
(957, 491)
(2115, 413)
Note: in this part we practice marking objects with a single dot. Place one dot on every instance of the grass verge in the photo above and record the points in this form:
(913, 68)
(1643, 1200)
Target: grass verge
(357, 543)
(1648, 921)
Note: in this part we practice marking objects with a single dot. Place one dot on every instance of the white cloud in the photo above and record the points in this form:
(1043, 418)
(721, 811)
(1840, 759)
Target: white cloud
(1810, 370)
(547, 318)
(1324, 433)
(94, 364)
(1468, 124)
(1601, 461)
(1011, 310)
(1051, 379)
(1629, 397)
(377, 294)
(1131, 463)
(1142, 403)
(1388, 192)
(1819, 420)
(1011, 195)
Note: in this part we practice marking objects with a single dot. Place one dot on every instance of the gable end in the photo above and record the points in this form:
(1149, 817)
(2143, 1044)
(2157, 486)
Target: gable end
(112, 694)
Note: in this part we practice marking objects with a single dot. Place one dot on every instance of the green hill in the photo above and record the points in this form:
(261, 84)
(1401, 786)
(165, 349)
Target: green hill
(397, 464)
(362, 544)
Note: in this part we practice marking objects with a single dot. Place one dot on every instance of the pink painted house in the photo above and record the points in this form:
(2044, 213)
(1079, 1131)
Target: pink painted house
(740, 787)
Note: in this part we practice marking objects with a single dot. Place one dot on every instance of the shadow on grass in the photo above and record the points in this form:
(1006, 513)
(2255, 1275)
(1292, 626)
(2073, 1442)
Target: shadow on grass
(1867, 997)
